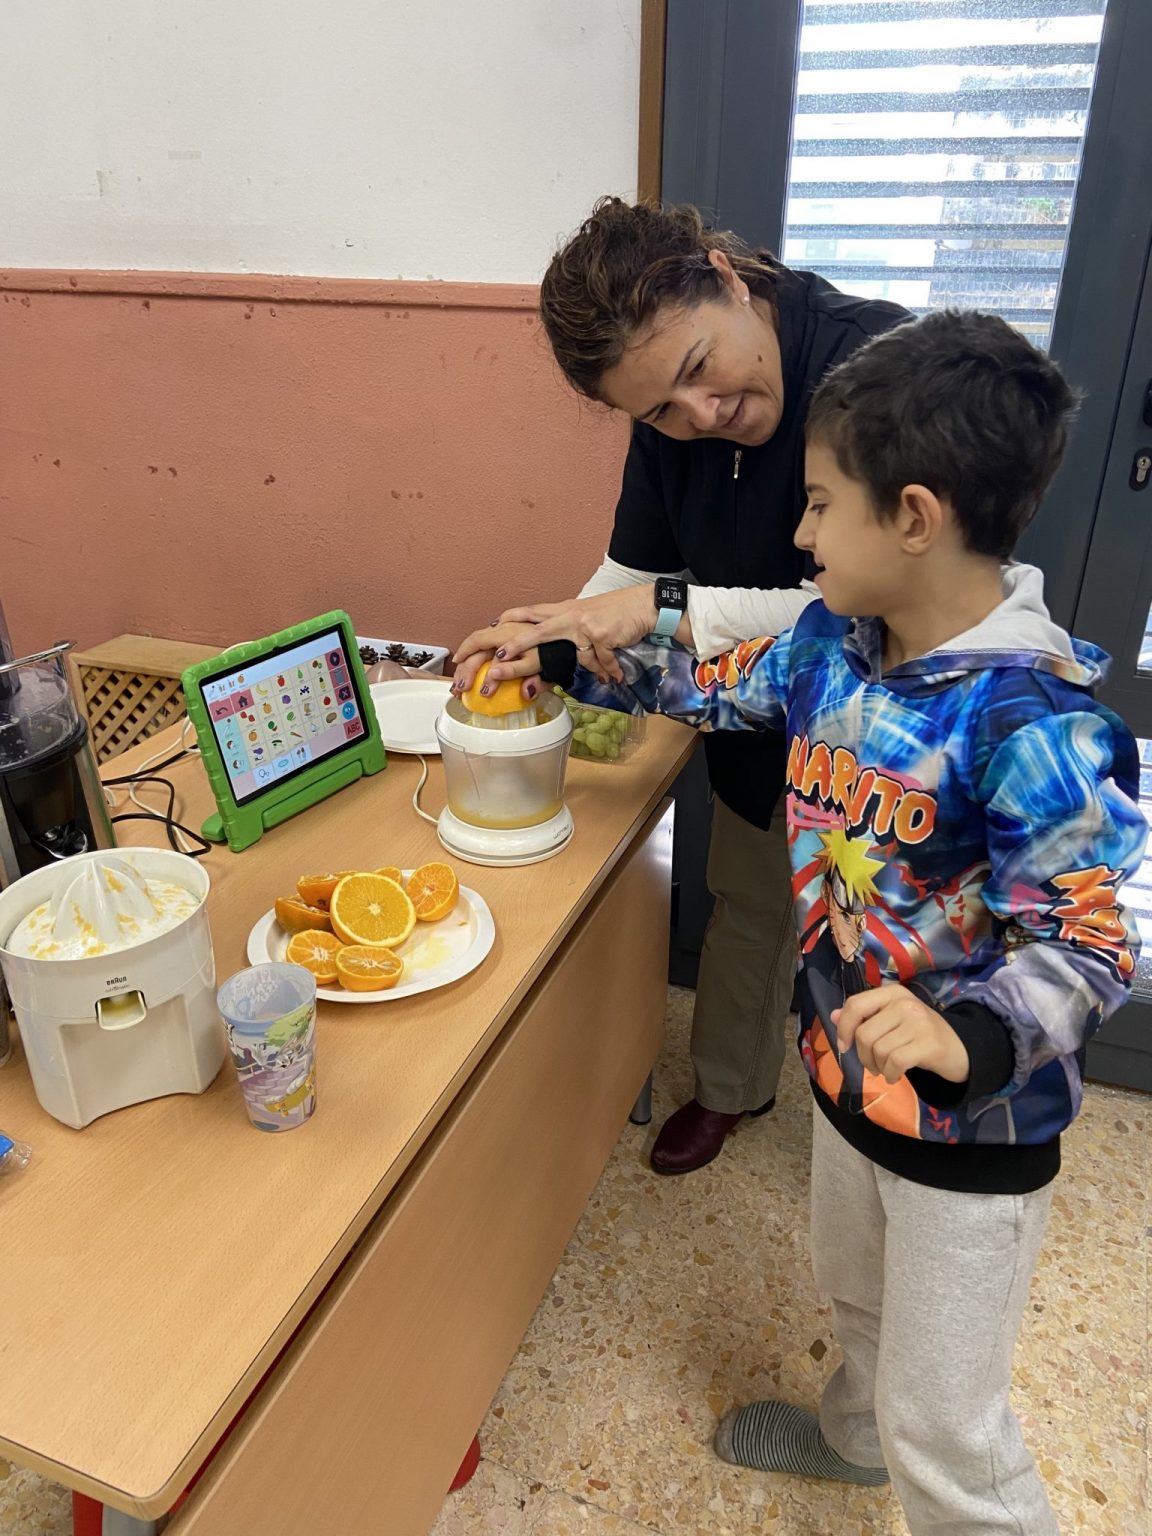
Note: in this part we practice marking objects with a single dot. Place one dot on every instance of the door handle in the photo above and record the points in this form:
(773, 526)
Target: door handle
(1146, 413)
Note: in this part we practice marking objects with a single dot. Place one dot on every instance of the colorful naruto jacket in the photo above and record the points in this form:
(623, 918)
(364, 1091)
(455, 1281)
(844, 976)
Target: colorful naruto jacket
(962, 824)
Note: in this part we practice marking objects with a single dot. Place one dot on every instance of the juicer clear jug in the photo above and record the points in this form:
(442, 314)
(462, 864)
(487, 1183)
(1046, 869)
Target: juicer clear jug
(504, 779)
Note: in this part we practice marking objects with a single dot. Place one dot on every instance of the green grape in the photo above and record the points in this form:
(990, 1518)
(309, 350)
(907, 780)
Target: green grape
(596, 745)
(587, 716)
(579, 735)
(611, 750)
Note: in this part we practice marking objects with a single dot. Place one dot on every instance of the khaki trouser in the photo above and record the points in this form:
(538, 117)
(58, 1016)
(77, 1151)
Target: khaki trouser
(747, 966)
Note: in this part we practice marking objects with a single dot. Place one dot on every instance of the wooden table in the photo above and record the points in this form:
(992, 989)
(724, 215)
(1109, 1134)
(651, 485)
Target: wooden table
(379, 1265)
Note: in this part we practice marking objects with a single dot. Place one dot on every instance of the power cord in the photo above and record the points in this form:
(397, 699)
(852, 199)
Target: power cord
(181, 839)
(416, 792)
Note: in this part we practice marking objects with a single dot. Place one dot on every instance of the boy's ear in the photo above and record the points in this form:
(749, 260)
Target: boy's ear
(919, 518)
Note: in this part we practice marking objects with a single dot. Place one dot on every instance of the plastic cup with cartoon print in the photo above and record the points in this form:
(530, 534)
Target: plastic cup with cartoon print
(269, 1012)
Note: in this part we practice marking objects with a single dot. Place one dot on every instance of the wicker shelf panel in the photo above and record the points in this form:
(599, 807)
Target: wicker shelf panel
(126, 707)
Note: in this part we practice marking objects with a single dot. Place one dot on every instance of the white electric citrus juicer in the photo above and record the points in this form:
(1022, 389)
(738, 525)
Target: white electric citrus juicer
(504, 768)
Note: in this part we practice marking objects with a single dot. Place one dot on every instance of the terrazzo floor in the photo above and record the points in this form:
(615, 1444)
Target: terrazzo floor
(679, 1297)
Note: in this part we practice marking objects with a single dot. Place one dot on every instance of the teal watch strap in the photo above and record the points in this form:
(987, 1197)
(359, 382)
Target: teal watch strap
(666, 625)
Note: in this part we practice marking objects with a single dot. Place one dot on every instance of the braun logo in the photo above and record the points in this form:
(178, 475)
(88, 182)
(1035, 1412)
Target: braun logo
(116, 981)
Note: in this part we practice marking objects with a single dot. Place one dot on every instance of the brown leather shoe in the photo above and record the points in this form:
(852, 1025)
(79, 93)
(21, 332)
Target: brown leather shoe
(692, 1136)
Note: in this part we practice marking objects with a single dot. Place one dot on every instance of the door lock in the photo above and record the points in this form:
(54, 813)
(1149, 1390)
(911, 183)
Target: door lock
(1141, 469)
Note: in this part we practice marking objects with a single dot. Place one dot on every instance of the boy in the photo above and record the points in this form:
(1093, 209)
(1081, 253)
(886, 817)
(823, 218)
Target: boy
(961, 818)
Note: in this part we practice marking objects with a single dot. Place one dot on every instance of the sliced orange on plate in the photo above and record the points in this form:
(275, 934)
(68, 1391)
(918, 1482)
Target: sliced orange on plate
(317, 890)
(364, 969)
(371, 909)
(391, 872)
(294, 915)
(434, 890)
(316, 951)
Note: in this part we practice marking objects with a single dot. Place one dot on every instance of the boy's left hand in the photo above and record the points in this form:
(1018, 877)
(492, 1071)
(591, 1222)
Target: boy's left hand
(894, 1031)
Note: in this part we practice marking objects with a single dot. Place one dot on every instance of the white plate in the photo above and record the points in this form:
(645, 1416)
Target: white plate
(407, 711)
(435, 955)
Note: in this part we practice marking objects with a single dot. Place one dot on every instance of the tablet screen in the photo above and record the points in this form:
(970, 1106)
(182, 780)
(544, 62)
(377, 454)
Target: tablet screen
(281, 713)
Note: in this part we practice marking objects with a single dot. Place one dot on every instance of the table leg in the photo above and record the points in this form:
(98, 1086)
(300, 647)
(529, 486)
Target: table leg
(641, 1111)
(116, 1523)
(91, 1518)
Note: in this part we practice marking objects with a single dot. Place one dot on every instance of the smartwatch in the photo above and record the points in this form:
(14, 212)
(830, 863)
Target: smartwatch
(671, 597)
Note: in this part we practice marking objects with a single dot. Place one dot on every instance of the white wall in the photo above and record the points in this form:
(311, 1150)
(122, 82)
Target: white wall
(353, 138)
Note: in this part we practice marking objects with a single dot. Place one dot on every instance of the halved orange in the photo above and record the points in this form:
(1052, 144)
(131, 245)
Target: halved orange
(390, 872)
(363, 969)
(372, 910)
(316, 952)
(434, 890)
(294, 915)
(503, 700)
(317, 890)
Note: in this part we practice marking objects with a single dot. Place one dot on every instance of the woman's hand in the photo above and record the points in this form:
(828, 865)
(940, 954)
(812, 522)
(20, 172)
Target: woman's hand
(597, 626)
(482, 645)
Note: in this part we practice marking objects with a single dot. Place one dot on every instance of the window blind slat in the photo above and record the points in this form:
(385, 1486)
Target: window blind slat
(1034, 100)
(1037, 231)
(1002, 192)
(1022, 147)
(947, 10)
(1030, 55)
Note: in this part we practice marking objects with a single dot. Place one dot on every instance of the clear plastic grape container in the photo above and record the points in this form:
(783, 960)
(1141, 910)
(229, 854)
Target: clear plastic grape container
(602, 735)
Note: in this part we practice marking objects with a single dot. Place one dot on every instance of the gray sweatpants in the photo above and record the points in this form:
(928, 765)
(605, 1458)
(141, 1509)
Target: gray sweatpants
(928, 1288)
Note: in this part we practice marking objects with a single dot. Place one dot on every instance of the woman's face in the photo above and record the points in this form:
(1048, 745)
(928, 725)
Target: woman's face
(712, 370)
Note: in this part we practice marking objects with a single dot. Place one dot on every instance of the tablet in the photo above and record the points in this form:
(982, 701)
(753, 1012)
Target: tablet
(282, 723)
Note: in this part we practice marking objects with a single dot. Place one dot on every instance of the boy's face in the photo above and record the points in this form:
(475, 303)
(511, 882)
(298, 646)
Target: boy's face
(862, 563)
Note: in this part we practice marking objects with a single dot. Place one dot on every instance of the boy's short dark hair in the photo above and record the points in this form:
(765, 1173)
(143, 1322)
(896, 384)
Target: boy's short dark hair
(958, 402)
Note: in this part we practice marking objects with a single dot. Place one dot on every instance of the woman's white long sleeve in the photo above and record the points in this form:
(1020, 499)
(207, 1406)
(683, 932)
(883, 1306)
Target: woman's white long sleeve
(720, 616)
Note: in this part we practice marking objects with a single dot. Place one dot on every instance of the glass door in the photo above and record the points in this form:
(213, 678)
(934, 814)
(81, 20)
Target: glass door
(990, 154)
(1115, 606)
(1115, 611)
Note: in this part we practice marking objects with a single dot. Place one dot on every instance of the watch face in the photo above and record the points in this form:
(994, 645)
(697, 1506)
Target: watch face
(670, 593)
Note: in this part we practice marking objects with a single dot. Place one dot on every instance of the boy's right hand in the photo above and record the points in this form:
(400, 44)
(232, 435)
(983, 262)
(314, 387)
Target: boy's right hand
(893, 1031)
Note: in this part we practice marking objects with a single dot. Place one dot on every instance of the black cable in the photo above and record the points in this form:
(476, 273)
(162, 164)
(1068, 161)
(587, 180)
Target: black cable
(171, 825)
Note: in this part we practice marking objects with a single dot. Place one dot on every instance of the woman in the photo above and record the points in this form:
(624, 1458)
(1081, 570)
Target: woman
(713, 349)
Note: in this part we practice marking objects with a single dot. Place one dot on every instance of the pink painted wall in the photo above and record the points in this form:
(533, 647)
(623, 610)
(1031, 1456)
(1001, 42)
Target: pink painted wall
(213, 458)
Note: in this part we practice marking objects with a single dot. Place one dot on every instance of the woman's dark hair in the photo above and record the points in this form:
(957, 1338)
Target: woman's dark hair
(960, 403)
(624, 263)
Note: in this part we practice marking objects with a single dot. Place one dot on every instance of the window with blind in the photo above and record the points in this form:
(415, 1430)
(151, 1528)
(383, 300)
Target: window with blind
(936, 146)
